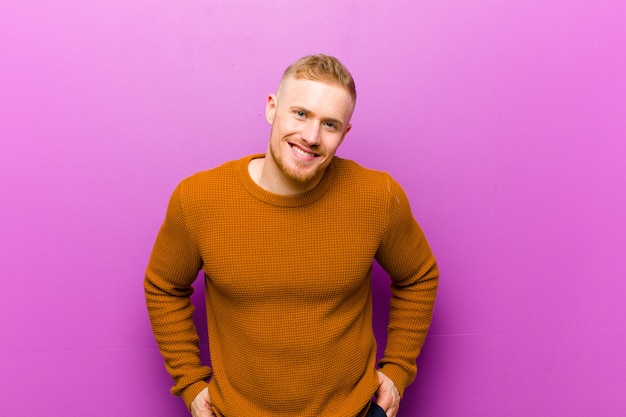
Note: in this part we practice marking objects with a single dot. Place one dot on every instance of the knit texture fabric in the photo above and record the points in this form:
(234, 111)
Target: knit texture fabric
(288, 290)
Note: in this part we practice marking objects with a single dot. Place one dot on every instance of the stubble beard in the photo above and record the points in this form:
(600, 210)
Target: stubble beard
(294, 175)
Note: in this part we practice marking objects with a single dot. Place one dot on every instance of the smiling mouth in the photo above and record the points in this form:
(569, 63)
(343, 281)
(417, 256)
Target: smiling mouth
(302, 152)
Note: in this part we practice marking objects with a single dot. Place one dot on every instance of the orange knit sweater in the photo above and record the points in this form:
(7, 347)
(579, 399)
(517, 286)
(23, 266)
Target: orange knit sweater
(288, 290)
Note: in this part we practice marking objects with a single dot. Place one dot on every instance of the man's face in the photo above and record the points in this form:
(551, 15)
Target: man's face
(309, 121)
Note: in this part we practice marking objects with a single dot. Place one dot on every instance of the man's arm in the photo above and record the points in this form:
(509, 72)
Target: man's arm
(173, 266)
(408, 259)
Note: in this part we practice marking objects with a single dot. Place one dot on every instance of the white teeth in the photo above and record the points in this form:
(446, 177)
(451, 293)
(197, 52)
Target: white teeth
(301, 152)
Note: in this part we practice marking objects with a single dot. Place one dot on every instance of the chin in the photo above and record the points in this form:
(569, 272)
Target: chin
(301, 177)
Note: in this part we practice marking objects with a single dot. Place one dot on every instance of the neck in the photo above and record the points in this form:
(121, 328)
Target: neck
(271, 179)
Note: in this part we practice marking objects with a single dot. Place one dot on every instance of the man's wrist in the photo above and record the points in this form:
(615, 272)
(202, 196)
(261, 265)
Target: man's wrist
(397, 375)
(192, 391)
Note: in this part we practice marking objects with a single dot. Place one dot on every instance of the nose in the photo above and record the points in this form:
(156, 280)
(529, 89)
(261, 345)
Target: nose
(311, 133)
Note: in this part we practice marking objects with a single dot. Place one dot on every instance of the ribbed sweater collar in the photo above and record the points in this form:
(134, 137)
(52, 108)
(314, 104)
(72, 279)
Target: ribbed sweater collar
(278, 200)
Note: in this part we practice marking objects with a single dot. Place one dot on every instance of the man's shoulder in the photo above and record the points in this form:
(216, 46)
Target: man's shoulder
(220, 174)
(358, 180)
(355, 174)
(353, 167)
(204, 186)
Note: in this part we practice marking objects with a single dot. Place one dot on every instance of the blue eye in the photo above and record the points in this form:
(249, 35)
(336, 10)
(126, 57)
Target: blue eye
(300, 113)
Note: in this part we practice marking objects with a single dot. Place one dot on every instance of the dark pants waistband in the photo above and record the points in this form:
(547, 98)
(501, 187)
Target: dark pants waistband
(375, 411)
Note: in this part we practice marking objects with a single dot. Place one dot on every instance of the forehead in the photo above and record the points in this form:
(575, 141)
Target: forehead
(315, 95)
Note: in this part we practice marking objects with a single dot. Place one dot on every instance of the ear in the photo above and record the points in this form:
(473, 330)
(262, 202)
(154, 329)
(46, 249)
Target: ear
(270, 108)
(346, 132)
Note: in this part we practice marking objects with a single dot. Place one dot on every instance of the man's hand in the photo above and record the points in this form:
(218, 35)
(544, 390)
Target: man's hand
(387, 395)
(201, 405)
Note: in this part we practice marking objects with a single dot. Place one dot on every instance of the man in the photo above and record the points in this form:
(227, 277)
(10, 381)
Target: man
(286, 242)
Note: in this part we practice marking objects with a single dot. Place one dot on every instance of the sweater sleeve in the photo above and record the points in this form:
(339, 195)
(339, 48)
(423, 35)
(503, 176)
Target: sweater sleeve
(407, 258)
(173, 266)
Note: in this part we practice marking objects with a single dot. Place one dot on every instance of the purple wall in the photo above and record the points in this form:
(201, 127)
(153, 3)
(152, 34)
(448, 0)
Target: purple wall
(504, 120)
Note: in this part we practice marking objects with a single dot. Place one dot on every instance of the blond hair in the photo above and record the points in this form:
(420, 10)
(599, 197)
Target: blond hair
(322, 67)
